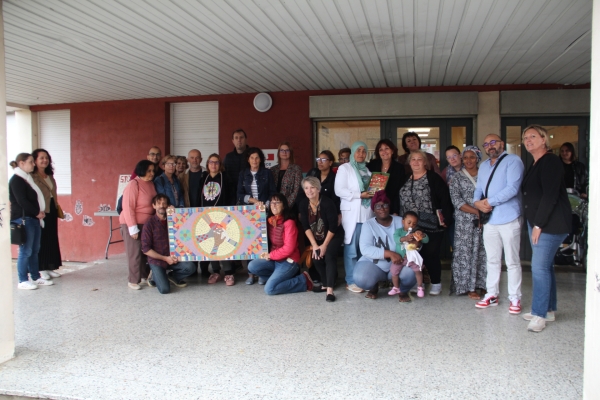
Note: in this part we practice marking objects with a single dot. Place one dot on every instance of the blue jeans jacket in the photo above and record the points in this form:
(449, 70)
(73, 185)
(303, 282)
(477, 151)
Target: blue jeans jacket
(265, 181)
(163, 186)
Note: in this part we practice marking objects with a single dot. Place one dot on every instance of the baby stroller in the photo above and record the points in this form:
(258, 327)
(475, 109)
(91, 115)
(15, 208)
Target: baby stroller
(573, 250)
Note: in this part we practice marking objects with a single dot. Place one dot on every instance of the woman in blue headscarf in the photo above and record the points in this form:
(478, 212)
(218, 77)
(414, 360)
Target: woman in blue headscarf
(469, 262)
(351, 185)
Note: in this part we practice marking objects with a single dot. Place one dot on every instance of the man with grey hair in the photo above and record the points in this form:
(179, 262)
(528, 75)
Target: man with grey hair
(191, 179)
(497, 192)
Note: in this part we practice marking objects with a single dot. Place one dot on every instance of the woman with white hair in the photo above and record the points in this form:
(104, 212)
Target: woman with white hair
(319, 218)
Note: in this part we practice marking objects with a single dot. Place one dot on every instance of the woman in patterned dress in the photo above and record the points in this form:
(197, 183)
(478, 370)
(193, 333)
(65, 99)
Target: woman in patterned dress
(469, 262)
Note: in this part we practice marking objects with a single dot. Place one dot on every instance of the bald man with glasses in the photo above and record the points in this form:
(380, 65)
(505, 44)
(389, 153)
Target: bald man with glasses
(503, 230)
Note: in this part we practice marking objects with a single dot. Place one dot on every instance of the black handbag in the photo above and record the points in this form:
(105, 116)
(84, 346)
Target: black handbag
(17, 232)
(484, 218)
(427, 221)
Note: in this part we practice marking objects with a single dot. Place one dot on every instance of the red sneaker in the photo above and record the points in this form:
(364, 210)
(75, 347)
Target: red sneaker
(515, 307)
(490, 301)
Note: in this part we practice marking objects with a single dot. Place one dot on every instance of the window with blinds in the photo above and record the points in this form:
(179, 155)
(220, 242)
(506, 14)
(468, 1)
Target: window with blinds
(195, 126)
(55, 137)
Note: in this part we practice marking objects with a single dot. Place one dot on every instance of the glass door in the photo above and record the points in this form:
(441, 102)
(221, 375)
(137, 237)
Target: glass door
(435, 134)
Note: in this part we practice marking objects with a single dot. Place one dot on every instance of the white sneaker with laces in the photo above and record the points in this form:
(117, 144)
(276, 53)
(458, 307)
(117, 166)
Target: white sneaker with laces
(436, 288)
(45, 275)
(43, 282)
(54, 274)
(26, 285)
(550, 317)
(537, 324)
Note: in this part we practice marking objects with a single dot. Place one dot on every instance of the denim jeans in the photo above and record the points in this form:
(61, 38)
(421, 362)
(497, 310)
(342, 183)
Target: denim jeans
(281, 276)
(181, 271)
(367, 275)
(28, 262)
(352, 254)
(542, 272)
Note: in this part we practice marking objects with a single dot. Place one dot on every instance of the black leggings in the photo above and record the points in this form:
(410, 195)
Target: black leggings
(431, 256)
(327, 267)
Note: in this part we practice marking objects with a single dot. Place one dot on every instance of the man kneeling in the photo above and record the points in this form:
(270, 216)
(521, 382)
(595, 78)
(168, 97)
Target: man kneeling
(155, 245)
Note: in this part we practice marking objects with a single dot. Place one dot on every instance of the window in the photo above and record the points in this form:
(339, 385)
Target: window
(335, 135)
(55, 137)
(195, 126)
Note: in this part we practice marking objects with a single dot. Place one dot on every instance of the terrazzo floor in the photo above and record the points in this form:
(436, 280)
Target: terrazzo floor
(90, 337)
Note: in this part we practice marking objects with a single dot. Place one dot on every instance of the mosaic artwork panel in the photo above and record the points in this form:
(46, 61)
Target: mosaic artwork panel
(217, 233)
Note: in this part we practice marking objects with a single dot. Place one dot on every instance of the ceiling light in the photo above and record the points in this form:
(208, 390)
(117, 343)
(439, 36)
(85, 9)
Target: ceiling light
(418, 129)
(423, 134)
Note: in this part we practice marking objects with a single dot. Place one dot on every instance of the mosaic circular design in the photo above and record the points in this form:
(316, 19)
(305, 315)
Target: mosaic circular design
(217, 234)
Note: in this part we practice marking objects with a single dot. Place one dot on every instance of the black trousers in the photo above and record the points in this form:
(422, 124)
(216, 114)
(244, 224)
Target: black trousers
(216, 267)
(431, 255)
(327, 266)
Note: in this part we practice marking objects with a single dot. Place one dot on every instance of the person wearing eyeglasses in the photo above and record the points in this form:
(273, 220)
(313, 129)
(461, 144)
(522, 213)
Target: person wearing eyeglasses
(278, 268)
(154, 156)
(343, 156)
(454, 163)
(503, 230)
(287, 174)
(379, 251)
(326, 176)
(168, 183)
(214, 192)
(386, 154)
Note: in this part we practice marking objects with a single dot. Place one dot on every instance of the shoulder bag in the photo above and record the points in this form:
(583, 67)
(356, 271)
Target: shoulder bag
(484, 218)
(17, 232)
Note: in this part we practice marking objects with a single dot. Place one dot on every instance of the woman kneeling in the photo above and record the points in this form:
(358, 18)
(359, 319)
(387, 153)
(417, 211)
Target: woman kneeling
(279, 268)
(376, 240)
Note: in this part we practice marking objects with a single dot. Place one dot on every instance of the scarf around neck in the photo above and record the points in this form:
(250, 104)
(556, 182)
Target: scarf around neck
(364, 177)
(40, 197)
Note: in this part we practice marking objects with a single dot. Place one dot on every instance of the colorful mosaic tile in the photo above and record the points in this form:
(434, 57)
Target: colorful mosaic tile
(217, 233)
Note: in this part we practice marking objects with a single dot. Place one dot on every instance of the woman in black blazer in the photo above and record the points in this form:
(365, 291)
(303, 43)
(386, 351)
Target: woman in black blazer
(319, 217)
(27, 207)
(386, 154)
(548, 214)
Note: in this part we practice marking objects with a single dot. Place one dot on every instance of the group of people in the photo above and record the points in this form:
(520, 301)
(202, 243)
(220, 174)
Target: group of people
(394, 234)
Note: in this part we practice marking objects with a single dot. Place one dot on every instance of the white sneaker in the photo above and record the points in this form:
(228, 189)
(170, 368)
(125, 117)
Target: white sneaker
(133, 286)
(45, 275)
(26, 285)
(550, 317)
(436, 288)
(43, 282)
(537, 324)
(54, 274)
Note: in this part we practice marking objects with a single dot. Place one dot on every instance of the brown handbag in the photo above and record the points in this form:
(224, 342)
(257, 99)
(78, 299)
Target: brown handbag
(59, 211)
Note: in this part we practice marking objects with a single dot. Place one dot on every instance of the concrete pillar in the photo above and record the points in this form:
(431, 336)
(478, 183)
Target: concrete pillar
(591, 365)
(7, 322)
(488, 116)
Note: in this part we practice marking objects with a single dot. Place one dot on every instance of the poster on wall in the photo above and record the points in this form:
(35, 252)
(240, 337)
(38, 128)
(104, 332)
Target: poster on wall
(270, 157)
(123, 181)
(217, 233)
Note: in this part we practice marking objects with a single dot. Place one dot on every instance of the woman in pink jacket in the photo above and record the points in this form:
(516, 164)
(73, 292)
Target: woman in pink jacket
(280, 267)
(137, 209)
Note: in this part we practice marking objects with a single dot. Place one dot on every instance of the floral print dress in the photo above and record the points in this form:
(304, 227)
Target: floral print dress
(469, 261)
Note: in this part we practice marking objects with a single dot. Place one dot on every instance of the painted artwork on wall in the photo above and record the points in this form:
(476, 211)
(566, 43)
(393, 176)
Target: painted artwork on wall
(217, 233)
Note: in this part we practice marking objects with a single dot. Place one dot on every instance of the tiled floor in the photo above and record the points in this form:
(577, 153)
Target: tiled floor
(90, 337)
